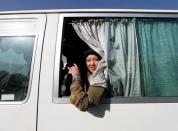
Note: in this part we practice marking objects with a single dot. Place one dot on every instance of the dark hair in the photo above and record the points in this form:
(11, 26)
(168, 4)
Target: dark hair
(89, 52)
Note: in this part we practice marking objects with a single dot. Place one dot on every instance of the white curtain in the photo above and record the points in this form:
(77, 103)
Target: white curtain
(123, 57)
(91, 31)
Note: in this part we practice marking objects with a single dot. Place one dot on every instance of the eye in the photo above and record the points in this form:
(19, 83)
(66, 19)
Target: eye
(88, 60)
(96, 59)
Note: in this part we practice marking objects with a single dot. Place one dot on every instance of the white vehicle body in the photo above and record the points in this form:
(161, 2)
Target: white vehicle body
(43, 111)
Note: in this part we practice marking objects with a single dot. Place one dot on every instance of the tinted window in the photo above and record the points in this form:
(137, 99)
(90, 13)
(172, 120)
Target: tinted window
(15, 64)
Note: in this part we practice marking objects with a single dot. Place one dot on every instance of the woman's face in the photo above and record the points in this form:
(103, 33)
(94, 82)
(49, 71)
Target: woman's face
(92, 62)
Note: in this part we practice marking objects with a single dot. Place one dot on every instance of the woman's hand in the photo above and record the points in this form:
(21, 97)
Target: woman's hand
(74, 70)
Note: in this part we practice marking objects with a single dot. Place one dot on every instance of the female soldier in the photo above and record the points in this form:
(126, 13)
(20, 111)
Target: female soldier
(80, 96)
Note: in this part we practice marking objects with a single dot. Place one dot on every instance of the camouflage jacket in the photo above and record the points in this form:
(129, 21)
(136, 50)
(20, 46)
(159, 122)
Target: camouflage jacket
(82, 99)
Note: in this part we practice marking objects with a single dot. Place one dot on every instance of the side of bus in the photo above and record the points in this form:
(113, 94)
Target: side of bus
(33, 46)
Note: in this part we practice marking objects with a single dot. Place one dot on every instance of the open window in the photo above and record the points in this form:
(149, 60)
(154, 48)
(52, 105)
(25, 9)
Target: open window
(72, 50)
(140, 53)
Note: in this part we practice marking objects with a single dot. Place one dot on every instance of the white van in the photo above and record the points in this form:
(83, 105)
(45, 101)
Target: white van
(140, 47)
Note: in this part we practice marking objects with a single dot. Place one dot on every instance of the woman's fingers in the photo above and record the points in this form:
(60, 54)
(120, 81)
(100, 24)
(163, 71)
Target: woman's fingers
(75, 65)
(74, 70)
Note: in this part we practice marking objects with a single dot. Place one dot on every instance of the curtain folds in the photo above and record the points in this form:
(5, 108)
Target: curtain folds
(158, 47)
(123, 58)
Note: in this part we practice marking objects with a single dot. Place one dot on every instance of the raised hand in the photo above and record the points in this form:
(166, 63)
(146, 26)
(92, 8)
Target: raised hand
(74, 70)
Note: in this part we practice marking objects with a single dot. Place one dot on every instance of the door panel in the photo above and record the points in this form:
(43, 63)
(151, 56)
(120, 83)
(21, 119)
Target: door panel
(21, 38)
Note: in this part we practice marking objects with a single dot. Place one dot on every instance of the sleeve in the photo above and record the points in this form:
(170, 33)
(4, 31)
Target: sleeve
(81, 99)
(78, 97)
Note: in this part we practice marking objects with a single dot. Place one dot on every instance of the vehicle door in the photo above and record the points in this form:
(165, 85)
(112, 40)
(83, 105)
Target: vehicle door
(21, 38)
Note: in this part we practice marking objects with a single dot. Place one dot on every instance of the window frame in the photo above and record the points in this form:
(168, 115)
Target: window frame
(31, 70)
(116, 99)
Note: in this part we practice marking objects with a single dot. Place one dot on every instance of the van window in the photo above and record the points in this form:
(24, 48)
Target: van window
(140, 53)
(15, 63)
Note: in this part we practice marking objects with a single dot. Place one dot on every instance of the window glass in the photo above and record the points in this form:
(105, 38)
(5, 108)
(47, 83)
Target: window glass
(140, 54)
(15, 63)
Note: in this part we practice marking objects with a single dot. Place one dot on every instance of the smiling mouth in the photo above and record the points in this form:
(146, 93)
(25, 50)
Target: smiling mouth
(93, 68)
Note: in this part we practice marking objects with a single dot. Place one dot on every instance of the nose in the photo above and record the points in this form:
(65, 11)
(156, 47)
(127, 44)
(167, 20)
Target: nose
(92, 62)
